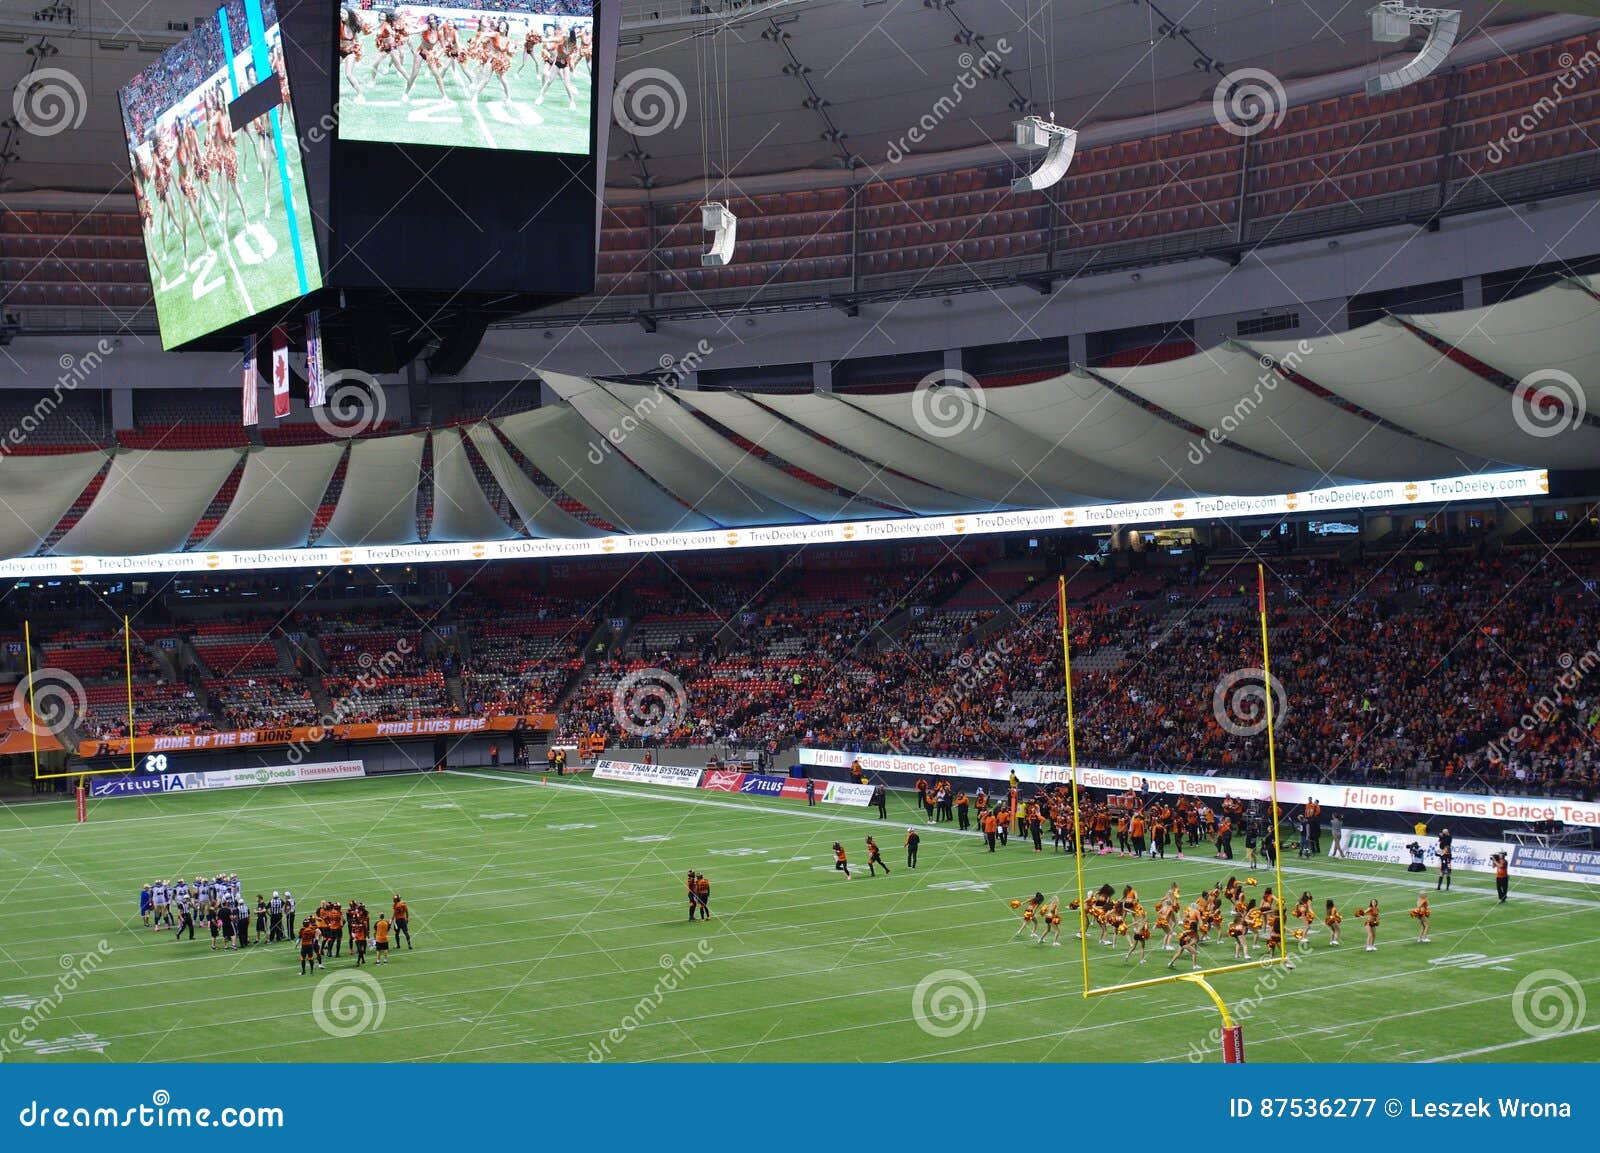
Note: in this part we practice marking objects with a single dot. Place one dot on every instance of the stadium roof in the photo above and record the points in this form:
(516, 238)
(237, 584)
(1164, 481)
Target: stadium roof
(1405, 398)
(799, 84)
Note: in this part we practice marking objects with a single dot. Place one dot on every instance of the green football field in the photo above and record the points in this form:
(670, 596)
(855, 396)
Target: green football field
(459, 120)
(223, 282)
(550, 925)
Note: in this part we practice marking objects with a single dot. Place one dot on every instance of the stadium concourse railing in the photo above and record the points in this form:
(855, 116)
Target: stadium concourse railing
(1474, 138)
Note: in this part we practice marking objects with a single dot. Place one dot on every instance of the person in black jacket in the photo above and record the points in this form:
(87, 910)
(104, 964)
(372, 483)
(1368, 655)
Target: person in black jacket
(913, 839)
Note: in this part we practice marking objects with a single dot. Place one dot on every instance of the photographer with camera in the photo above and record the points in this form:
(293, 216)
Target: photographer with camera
(1502, 875)
(1416, 851)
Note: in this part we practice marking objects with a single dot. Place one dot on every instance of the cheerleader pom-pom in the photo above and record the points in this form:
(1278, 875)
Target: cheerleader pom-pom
(1073, 904)
(1299, 934)
(1251, 881)
(1016, 904)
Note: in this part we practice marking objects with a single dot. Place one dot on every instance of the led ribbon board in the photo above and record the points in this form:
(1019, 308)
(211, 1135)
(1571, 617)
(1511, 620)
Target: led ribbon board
(1497, 486)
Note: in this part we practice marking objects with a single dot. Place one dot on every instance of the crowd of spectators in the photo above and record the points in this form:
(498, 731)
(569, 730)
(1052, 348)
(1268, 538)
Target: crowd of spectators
(1470, 671)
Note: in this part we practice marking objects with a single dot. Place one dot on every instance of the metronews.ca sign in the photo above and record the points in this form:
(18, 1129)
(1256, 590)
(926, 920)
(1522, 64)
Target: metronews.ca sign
(143, 784)
(1466, 854)
(1393, 494)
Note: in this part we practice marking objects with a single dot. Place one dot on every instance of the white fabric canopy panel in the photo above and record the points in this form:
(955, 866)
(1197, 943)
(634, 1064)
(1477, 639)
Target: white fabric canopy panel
(541, 515)
(1556, 329)
(557, 441)
(150, 502)
(1226, 389)
(36, 492)
(460, 509)
(1045, 472)
(663, 412)
(1080, 411)
(1388, 370)
(277, 498)
(763, 428)
(867, 436)
(378, 504)
(687, 474)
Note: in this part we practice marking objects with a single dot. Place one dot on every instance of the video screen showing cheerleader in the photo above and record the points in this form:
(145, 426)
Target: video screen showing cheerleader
(501, 74)
(227, 226)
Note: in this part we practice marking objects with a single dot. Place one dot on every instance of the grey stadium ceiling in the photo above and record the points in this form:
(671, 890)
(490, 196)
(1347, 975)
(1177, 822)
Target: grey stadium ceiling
(773, 86)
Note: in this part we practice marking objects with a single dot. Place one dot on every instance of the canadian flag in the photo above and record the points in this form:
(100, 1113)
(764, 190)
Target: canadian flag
(280, 373)
(252, 383)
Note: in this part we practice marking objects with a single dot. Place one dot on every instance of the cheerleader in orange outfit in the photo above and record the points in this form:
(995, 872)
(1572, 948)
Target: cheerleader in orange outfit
(1030, 913)
(1051, 916)
(1333, 919)
(1188, 942)
(1236, 930)
(1165, 916)
(351, 30)
(1138, 936)
(1275, 944)
(1254, 918)
(1369, 917)
(430, 51)
(1302, 910)
(497, 55)
(1422, 913)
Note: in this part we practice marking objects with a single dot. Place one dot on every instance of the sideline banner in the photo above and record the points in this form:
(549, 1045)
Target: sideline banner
(145, 784)
(1466, 854)
(847, 793)
(311, 734)
(1555, 863)
(678, 776)
(1434, 805)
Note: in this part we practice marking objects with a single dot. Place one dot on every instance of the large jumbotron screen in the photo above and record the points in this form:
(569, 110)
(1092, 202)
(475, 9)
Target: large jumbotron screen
(227, 224)
(499, 74)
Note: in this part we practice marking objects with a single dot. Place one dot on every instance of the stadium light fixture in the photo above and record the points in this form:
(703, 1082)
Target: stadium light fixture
(1034, 133)
(1391, 24)
(724, 228)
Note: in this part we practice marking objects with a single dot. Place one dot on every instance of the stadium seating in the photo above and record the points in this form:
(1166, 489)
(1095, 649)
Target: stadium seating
(1348, 161)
